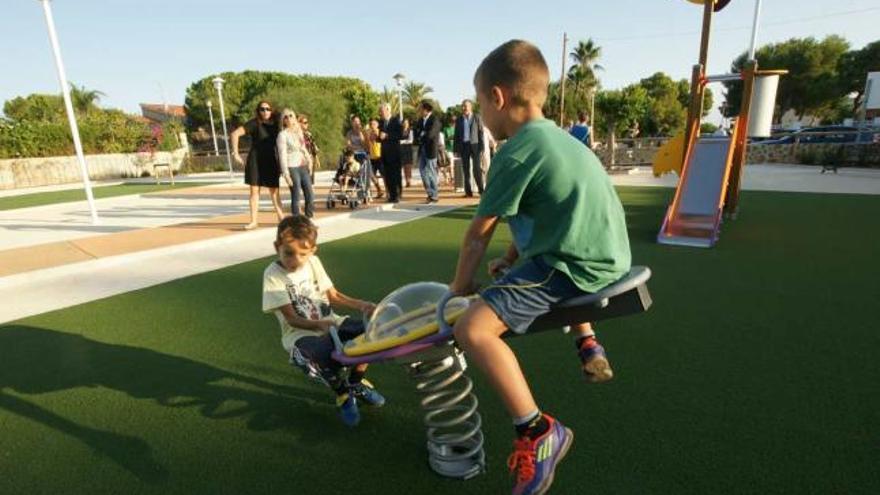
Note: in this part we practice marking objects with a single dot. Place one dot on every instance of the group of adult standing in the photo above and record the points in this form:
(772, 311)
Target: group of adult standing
(282, 146)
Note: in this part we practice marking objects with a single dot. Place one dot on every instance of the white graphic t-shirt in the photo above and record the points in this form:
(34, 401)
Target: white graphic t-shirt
(305, 289)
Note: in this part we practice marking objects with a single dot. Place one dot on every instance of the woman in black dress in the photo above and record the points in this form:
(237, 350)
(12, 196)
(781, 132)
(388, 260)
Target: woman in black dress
(261, 168)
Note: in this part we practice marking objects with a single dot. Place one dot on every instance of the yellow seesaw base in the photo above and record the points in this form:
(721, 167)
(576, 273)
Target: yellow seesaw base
(359, 346)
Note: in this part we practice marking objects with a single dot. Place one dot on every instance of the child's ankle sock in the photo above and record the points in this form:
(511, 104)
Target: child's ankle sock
(532, 425)
(586, 342)
(357, 374)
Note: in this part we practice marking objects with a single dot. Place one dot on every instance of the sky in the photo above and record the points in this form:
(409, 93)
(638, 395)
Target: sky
(139, 51)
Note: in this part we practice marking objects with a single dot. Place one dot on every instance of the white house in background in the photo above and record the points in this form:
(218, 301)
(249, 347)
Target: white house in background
(872, 97)
(160, 113)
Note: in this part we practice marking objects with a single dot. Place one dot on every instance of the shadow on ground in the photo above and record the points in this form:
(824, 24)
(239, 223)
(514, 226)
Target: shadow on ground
(37, 361)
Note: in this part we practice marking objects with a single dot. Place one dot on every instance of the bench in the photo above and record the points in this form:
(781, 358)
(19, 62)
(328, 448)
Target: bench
(158, 166)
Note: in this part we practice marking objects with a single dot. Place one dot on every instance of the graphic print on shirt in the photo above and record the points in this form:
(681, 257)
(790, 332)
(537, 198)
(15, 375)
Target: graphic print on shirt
(306, 300)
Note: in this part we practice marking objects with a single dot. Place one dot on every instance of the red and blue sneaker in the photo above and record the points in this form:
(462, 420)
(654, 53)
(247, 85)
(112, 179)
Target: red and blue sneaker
(534, 460)
(594, 362)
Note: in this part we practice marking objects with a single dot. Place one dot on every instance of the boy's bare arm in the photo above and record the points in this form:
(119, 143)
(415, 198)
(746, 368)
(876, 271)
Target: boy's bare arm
(337, 298)
(299, 322)
(472, 250)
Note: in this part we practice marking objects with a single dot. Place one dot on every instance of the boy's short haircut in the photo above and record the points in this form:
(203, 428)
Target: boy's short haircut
(427, 105)
(518, 66)
(297, 228)
(582, 116)
(347, 152)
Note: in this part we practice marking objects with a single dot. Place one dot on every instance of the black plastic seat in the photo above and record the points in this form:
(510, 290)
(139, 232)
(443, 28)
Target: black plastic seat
(627, 296)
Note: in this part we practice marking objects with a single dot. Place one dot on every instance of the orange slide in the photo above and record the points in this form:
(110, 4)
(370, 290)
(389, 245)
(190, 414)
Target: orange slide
(694, 217)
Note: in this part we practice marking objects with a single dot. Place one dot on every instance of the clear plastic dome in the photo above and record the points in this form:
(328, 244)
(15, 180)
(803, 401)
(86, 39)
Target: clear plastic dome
(408, 309)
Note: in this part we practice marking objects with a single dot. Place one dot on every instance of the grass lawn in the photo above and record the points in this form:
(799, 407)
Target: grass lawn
(67, 196)
(752, 373)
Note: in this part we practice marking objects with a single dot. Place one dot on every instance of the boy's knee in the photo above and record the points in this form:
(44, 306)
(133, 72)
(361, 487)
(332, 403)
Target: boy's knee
(477, 324)
(465, 331)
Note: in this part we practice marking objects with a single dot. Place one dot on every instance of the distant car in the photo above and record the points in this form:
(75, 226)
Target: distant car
(829, 134)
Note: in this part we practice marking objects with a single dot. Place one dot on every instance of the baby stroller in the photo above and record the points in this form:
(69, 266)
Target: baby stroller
(353, 191)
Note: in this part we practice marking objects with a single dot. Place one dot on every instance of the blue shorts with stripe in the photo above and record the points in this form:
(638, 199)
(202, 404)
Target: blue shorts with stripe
(527, 292)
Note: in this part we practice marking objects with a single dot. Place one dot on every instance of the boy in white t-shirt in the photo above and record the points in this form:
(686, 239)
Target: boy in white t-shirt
(297, 289)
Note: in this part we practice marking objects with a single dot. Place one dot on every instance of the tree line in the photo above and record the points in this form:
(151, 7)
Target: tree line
(36, 125)
(826, 80)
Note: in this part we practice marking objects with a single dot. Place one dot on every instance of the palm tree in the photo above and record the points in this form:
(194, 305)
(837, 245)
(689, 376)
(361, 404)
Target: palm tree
(414, 92)
(583, 72)
(84, 99)
(582, 79)
(585, 55)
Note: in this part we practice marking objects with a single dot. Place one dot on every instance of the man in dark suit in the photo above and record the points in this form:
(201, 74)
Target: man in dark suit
(468, 144)
(390, 134)
(427, 131)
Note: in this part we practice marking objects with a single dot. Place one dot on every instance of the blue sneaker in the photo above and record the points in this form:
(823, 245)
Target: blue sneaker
(594, 361)
(366, 392)
(348, 409)
(534, 461)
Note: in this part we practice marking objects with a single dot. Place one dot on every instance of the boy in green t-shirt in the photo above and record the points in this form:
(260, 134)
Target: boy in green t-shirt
(569, 232)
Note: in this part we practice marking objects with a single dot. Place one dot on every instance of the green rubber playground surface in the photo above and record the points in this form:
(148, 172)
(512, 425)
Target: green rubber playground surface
(70, 195)
(756, 371)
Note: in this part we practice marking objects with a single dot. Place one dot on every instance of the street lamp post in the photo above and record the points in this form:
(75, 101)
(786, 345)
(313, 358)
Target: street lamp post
(399, 78)
(754, 41)
(71, 117)
(218, 85)
(213, 132)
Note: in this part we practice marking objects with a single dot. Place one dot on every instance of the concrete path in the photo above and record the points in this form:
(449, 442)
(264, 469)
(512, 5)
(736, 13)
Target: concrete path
(52, 257)
(153, 238)
(772, 177)
(40, 291)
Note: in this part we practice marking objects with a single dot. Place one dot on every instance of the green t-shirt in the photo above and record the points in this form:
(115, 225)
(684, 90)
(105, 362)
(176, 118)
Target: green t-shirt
(448, 136)
(560, 205)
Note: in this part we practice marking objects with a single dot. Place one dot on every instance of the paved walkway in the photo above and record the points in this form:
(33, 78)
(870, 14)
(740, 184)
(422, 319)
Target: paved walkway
(52, 257)
(791, 178)
(153, 238)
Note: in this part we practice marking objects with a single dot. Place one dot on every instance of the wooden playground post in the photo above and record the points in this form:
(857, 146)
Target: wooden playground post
(741, 140)
(698, 83)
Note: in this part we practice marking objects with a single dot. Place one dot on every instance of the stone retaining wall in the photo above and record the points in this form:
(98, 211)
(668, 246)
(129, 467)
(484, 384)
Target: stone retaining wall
(843, 155)
(49, 171)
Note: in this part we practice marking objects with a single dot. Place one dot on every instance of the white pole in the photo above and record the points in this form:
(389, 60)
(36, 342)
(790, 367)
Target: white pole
(399, 78)
(71, 117)
(400, 101)
(754, 43)
(213, 132)
(218, 85)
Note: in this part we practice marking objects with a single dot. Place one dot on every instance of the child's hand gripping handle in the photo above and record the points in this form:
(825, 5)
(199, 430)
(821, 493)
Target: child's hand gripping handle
(497, 270)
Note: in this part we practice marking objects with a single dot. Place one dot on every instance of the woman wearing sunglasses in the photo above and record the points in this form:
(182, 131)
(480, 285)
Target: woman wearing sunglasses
(261, 168)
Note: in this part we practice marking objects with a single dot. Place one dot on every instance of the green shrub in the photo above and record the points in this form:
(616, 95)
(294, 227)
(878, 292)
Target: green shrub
(101, 131)
(708, 128)
(327, 114)
(328, 101)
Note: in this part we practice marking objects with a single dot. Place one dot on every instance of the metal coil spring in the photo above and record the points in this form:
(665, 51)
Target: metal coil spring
(455, 436)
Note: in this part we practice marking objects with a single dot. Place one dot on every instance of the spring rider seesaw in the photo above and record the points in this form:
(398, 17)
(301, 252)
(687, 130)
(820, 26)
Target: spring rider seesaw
(412, 327)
